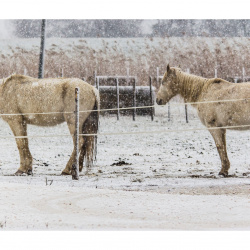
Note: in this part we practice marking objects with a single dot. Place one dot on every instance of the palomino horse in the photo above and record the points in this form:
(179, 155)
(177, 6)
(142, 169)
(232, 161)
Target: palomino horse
(55, 97)
(217, 115)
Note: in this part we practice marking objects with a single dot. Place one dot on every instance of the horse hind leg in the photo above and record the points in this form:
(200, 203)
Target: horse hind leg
(89, 147)
(71, 126)
(19, 128)
(81, 157)
(87, 144)
(83, 152)
(87, 153)
(220, 141)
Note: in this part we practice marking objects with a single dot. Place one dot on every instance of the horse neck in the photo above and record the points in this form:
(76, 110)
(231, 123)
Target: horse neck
(191, 86)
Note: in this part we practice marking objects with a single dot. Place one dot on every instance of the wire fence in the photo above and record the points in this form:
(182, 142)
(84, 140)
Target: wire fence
(129, 132)
(126, 108)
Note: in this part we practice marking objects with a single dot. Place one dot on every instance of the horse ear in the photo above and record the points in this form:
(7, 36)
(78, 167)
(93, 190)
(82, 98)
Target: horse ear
(168, 68)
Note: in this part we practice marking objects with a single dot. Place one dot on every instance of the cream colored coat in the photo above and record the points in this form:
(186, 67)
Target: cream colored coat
(216, 114)
(26, 95)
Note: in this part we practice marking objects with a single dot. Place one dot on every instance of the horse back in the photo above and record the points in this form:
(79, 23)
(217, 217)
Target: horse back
(23, 94)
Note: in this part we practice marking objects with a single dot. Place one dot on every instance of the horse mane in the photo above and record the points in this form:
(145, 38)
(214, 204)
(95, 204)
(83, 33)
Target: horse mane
(192, 86)
(20, 79)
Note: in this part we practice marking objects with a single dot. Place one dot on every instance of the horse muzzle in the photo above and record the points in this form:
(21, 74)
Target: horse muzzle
(159, 101)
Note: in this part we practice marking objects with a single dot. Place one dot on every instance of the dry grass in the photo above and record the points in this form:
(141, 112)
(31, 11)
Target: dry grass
(82, 60)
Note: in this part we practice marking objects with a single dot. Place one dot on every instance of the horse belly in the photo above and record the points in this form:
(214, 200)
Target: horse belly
(239, 123)
(233, 115)
(44, 120)
(236, 117)
(41, 99)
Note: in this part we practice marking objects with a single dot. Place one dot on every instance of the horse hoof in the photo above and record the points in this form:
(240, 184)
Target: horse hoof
(29, 172)
(224, 174)
(19, 172)
(64, 173)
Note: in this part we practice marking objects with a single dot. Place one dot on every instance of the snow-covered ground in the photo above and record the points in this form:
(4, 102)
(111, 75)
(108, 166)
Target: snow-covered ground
(140, 181)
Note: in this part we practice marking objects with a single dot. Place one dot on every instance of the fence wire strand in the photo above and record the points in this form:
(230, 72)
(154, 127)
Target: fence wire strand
(129, 132)
(127, 108)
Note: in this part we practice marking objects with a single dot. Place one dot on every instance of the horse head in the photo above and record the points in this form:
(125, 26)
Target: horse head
(169, 86)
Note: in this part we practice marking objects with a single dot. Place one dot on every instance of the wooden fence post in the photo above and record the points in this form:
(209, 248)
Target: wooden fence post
(42, 50)
(75, 167)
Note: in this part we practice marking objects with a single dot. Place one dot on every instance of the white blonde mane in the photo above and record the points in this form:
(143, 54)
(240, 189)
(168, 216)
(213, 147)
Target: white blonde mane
(1, 81)
(193, 86)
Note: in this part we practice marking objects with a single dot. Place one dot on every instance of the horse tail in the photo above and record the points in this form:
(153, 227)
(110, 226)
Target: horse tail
(91, 126)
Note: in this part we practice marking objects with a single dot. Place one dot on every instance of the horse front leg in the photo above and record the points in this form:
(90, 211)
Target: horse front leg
(219, 136)
(19, 128)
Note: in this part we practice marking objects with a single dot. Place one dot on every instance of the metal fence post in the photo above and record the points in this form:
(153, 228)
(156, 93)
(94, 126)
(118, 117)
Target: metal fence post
(75, 167)
(168, 111)
(94, 78)
(98, 83)
(157, 77)
(128, 83)
(117, 97)
(151, 98)
(186, 112)
(134, 99)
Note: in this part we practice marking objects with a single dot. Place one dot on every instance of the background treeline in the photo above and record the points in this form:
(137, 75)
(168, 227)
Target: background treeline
(29, 28)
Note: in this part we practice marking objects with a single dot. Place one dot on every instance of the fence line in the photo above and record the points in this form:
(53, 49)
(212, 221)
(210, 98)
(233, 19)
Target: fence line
(34, 136)
(127, 108)
(130, 132)
(167, 131)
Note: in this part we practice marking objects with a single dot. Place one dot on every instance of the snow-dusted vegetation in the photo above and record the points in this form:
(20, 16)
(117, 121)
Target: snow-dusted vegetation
(80, 57)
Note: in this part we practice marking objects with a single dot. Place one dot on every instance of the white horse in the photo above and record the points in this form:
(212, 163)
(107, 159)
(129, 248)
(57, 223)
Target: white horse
(23, 95)
(218, 115)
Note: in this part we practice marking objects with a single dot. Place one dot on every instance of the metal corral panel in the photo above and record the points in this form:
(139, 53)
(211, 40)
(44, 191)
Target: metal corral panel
(108, 95)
